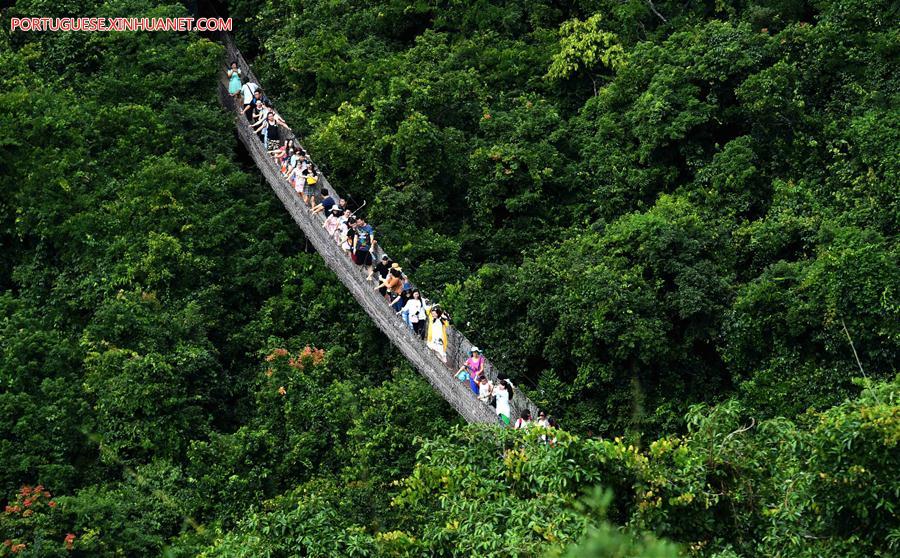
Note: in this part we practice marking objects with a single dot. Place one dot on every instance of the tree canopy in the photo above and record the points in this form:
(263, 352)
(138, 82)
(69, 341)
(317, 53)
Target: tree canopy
(673, 225)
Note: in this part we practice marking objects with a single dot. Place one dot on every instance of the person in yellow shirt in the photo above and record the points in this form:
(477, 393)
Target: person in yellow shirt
(436, 336)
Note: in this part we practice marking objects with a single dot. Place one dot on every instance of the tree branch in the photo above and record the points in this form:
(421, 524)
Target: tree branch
(744, 429)
(852, 346)
(653, 9)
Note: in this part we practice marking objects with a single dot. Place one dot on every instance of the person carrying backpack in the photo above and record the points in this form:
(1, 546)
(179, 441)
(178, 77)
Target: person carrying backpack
(363, 244)
(247, 100)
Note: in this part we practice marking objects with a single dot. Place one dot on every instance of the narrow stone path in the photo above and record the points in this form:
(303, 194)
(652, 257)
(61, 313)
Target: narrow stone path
(439, 375)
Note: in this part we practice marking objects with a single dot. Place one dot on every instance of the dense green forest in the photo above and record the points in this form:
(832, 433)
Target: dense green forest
(672, 224)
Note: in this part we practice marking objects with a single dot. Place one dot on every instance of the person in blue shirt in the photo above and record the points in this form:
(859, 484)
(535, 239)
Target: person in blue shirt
(326, 204)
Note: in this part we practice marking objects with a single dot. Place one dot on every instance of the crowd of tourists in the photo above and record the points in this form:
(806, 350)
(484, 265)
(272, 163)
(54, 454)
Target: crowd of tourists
(357, 239)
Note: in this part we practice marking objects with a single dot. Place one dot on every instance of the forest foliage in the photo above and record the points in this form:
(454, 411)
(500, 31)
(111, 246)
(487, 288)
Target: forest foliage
(690, 209)
(674, 225)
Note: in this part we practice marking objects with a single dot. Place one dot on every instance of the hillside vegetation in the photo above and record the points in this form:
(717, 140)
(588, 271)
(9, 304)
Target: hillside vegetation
(614, 205)
(674, 225)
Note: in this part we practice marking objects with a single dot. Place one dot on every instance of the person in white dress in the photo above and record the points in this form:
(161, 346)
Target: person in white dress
(502, 393)
(416, 312)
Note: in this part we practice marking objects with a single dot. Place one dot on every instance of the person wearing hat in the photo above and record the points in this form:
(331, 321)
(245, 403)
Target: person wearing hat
(393, 283)
(394, 279)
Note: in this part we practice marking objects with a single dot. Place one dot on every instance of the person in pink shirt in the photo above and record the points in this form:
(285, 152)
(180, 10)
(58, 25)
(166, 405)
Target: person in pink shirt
(475, 366)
